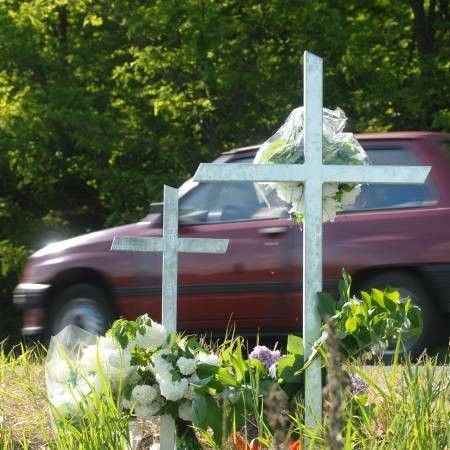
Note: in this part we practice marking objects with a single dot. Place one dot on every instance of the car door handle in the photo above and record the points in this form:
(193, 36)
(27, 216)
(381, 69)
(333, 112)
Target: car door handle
(273, 230)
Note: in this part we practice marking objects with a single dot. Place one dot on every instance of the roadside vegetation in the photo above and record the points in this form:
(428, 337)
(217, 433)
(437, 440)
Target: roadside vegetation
(101, 103)
(403, 406)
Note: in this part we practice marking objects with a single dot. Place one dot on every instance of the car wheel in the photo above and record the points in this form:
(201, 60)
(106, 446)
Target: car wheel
(408, 285)
(82, 305)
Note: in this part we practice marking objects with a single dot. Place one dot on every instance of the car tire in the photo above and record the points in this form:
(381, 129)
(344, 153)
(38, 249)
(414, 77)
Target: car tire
(408, 285)
(83, 305)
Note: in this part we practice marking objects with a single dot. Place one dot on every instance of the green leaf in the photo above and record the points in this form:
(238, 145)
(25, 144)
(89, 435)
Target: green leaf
(416, 322)
(199, 410)
(378, 297)
(295, 345)
(226, 378)
(351, 324)
(287, 367)
(214, 419)
(326, 305)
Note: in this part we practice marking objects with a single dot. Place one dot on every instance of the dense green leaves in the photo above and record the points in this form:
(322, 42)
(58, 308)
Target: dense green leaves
(377, 317)
(101, 103)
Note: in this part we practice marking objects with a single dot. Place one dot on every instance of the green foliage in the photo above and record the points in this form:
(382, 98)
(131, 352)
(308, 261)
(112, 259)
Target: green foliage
(101, 103)
(411, 410)
(378, 317)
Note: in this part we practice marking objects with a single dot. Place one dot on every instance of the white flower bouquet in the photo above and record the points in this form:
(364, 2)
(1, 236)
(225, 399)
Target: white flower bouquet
(286, 146)
(151, 371)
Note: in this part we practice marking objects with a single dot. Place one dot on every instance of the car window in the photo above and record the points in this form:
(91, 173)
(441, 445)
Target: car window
(388, 196)
(213, 202)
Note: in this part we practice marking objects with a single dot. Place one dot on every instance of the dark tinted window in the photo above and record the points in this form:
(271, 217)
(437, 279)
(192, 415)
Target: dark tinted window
(220, 202)
(387, 196)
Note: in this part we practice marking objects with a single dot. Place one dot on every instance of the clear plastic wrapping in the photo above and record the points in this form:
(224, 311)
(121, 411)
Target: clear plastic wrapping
(286, 146)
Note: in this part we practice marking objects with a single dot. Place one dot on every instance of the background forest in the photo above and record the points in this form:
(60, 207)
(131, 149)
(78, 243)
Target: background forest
(103, 102)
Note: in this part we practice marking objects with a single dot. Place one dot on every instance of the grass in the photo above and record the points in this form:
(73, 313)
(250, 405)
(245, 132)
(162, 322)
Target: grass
(407, 407)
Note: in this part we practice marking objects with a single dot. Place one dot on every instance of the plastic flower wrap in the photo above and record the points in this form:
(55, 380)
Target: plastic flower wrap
(286, 146)
(151, 371)
(76, 367)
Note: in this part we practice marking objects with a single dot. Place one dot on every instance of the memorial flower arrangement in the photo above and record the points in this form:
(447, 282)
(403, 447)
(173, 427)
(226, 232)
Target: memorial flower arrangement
(286, 146)
(152, 372)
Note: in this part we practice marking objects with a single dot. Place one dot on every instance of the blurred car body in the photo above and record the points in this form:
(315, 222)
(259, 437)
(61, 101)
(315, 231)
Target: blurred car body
(397, 235)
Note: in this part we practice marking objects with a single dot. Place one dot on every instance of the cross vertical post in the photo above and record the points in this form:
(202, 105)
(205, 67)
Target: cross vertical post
(312, 231)
(170, 259)
(169, 293)
(170, 244)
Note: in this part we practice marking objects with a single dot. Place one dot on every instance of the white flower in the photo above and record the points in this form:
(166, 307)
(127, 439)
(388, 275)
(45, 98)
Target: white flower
(154, 336)
(91, 383)
(60, 370)
(65, 403)
(330, 207)
(161, 366)
(127, 404)
(330, 189)
(187, 366)
(89, 358)
(143, 393)
(147, 411)
(185, 411)
(107, 343)
(273, 371)
(173, 390)
(210, 359)
(190, 394)
(348, 198)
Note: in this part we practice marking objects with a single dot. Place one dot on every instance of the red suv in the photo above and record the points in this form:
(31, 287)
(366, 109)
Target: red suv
(396, 235)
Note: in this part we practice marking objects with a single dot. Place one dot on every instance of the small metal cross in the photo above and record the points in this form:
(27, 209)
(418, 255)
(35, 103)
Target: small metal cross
(312, 174)
(170, 245)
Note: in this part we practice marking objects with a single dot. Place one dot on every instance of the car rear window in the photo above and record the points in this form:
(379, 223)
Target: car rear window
(389, 196)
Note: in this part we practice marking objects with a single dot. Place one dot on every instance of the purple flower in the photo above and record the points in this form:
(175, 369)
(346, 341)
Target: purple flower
(358, 385)
(265, 355)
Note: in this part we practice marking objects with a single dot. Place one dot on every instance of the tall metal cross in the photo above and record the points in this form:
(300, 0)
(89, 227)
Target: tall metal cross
(170, 245)
(313, 174)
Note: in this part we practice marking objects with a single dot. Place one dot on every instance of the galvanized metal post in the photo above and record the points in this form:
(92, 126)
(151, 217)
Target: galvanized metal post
(312, 231)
